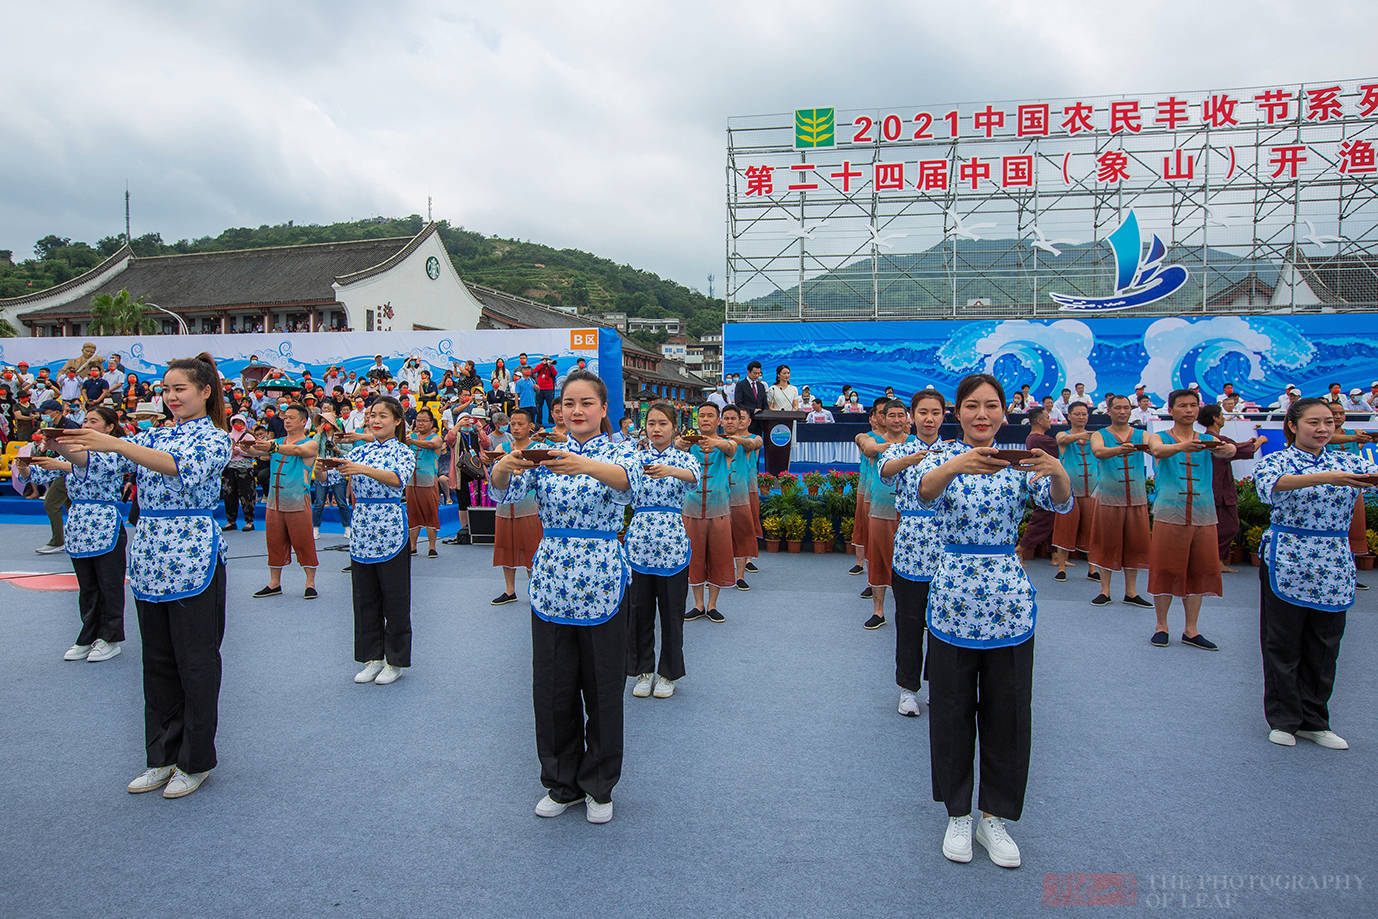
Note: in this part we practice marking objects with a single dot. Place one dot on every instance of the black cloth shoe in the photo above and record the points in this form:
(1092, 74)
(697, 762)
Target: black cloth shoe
(742, 585)
(247, 527)
(1359, 585)
(310, 593)
(1200, 641)
(413, 551)
(1093, 575)
(715, 616)
(866, 594)
(269, 592)
(503, 599)
(451, 541)
(1101, 600)
(874, 623)
(1060, 576)
(229, 526)
(693, 614)
(1159, 640)
(432, 554)
(348, 568)
(751, 566)
(1137, 600)
(855, 569)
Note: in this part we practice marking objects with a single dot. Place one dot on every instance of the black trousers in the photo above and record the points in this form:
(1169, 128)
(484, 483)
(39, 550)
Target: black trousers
(646, 593)
(577, 685)
(1300, 647)
(911, 621)
(181, 640)
(239, 490)
(987, 692)
(382, 610)
(100, 594)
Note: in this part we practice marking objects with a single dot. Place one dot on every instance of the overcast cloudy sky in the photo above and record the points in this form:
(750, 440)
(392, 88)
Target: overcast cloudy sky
(593, 125)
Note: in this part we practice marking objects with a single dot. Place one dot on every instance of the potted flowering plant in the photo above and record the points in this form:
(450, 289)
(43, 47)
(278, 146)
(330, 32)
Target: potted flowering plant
(813, 481)
(789, 483)
(822, 531)
(837, 481)
(1365, 562)
(1253, 536)
(772, 527)
(765, 483)
(794, 532)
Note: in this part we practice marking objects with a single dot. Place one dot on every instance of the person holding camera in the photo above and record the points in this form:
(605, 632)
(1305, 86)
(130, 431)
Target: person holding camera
(467, 441)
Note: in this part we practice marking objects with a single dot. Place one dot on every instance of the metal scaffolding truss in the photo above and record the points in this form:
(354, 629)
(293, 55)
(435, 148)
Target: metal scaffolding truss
(1252, 236)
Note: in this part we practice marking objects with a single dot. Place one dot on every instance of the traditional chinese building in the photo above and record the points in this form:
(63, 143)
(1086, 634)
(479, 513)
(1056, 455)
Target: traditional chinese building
(392, 284)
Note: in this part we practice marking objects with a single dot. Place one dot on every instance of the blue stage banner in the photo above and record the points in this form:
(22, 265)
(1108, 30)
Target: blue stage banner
(1260, 355)
(292, 353)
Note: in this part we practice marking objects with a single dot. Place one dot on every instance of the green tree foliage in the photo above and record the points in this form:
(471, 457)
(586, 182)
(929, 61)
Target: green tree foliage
(555, 276)
(120, 314)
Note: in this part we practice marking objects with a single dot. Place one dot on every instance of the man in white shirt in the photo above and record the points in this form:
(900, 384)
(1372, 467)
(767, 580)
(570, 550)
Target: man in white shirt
(1081, 395)
(1144, 414)
(70, 387)
(1055, 415)
(1355, 402)
(623, 433)
(1232, 406)
(846, 396)
(819, 415)
(1104, 406)
(1063, 402)
(1288, 396)
(1372, 397)
(114, 374)
(1229, 391)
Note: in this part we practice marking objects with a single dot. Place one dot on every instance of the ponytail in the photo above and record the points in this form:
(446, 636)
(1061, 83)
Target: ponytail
(201, 371)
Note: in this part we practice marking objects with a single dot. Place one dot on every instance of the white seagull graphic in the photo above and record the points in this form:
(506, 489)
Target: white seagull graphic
(1313, 237)
(964, 230)
(802, 232)
(1212, 219)
(1046, 244)
(883, 242)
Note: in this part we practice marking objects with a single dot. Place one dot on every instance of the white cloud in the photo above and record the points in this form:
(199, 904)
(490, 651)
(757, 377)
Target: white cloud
(592, 126)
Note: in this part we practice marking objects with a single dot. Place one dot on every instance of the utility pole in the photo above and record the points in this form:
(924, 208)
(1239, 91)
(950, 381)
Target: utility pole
(128, 240)
(710, 287)
(428, 208)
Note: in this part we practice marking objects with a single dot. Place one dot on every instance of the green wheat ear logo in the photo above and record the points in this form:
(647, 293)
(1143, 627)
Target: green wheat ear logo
(813, 127)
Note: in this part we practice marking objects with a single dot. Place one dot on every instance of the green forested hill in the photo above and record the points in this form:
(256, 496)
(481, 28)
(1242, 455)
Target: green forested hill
(568, 277)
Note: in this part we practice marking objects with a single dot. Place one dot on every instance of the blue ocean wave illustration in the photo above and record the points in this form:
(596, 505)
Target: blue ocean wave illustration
(1260, 356)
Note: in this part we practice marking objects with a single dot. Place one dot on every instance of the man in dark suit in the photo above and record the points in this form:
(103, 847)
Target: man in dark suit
(751, 392)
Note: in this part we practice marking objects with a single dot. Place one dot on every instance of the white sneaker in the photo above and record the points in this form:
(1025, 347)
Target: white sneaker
(664, 688)
(1282, 738)
(49, 550)
(77, 653)
(349, 531)
(909, 704)
(549, 807)
(595, 812)
(1328, 739)
(183, 783)
(991, 833)
(389, 674)
(315, 532)
(642, 689)
(103, 650)
(369, 673)
(151, 779)
(957, 839)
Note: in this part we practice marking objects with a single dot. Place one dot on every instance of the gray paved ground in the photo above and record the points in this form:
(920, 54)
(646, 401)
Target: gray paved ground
(779, 781)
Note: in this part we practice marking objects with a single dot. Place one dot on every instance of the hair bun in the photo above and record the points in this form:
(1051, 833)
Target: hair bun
(205, 356)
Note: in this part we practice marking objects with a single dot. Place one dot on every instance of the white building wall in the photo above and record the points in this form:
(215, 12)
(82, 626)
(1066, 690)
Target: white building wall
(416, 299)
(12, 314)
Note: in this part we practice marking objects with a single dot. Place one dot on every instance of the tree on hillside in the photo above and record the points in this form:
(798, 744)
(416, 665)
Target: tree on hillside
(120, 314)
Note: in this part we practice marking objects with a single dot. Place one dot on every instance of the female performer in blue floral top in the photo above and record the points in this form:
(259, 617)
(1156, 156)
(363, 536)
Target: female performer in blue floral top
(95, 535)
(380, 562)
(177, 571)
(578, 580)
(981, 615)
(1307, 575)
(918, 544)
(658, 550)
